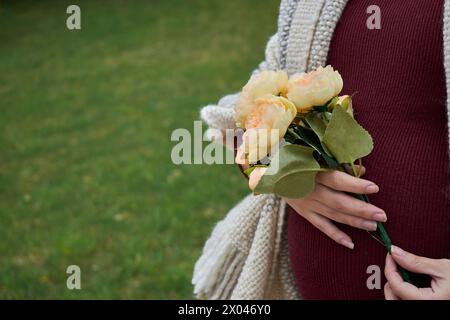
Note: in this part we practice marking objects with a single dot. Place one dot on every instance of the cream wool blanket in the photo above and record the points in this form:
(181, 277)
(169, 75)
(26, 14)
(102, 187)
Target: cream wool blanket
(246, 256)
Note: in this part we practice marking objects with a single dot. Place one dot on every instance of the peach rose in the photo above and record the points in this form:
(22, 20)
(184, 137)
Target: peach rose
(261, 84)
(266, 125)
(345, 102)
(314, 88)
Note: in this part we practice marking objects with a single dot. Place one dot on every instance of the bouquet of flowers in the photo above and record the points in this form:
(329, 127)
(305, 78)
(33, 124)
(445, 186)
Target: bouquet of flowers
(296, 127)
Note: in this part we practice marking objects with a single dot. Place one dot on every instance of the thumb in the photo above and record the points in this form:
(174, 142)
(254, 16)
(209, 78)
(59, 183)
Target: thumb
(414, 263)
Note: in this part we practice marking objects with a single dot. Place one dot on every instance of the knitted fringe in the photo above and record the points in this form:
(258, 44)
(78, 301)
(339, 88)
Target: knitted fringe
(217, 270)
(241, 259)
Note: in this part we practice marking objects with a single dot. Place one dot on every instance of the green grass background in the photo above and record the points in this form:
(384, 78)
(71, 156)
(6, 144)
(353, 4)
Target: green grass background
(86, 118)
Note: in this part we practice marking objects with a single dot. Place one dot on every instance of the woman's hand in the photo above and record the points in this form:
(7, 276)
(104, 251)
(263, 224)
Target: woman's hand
(397, 289)
(329, 202)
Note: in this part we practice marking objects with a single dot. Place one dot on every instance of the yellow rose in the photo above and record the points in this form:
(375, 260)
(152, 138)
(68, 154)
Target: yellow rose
(266, 125)
(261, 84)
(314, 88)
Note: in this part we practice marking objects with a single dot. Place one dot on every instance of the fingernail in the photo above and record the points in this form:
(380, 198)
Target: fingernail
(369, 225)
(397, 251)
(373, 188)
(347, 243)
(380, 217)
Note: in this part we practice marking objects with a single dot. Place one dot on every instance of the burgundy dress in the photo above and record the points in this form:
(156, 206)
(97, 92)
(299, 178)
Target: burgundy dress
(399, 74)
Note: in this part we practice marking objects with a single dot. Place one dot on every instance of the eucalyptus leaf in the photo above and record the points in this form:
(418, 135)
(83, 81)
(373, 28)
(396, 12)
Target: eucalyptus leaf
(309, 137)
(345, 138)
(329, 154)
(291, 173)
(316, 124)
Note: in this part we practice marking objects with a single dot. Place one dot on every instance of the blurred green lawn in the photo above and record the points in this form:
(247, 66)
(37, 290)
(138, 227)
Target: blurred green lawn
(86, 119)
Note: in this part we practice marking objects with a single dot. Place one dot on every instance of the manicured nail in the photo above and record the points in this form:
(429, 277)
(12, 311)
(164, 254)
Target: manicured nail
(373, 188)
(347, 243)
(369, 225)
(380, 217)
(397, 251)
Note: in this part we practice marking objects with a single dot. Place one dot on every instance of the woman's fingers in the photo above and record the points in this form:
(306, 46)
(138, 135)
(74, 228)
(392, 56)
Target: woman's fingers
(438, 269)
(402, 289)
(388, 293)
(342, 181)
(347, 219)
(415, 263)
(327, 227)
(329, 202)
(341, 202)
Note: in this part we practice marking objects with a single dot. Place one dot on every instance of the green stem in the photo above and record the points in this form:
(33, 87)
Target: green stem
(385, 239)
(381, 230)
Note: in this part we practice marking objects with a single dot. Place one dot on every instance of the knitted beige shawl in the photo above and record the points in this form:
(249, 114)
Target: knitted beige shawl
(246, 256)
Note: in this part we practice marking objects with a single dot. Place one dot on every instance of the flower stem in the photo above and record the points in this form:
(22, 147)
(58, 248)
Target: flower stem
(385, 239)
(384, 236)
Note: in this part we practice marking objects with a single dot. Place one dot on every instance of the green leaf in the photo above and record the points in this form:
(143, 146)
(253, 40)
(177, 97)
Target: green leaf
(346, 104)
(249, 170)
(309, 137)
(332, 103)
(316, 124)
(295, 175)
(345, 138)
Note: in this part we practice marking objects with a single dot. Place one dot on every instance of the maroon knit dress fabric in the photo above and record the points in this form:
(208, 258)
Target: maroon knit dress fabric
(399, 74)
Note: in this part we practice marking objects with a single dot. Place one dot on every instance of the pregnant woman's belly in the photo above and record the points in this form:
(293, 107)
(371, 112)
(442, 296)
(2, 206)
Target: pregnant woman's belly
(399, 75)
